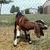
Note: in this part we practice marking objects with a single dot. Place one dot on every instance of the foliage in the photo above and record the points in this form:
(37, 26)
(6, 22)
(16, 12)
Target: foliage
(12, 9)
(5, 1)
(27, 11)
(40, 9)
(17, 9)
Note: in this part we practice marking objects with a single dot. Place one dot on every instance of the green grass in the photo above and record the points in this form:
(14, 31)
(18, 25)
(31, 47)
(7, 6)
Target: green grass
(45, 17)
(11, 18)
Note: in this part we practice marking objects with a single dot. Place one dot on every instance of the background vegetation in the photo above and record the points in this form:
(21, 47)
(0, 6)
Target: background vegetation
(10, 19)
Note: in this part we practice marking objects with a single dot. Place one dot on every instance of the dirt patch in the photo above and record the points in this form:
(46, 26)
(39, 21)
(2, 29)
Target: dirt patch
(6, 40)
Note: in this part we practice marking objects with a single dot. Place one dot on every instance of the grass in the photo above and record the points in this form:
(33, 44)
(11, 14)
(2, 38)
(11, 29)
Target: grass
(9, 19)
(7, 32)
(45, 17)
(6, 40)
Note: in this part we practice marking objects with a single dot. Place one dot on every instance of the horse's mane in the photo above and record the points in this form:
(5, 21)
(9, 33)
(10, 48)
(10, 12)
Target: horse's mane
(21, 16)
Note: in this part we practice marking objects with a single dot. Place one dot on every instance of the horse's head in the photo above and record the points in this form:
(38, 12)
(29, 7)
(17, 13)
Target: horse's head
(19, 14)
(42, 24)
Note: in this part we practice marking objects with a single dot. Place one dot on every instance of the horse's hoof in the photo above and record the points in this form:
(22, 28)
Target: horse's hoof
(30, 42)
(14, 45)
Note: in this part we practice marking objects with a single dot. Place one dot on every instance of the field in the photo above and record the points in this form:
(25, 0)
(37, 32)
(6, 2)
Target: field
(6, 34)
(9, 19)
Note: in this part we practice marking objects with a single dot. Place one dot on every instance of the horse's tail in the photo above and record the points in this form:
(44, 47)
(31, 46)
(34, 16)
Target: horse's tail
(37, 30)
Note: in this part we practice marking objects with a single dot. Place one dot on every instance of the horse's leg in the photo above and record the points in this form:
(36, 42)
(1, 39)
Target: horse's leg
(41, 32)
(37, 30)
(25, 35)
(15, 36)
(28, 37)
(18, 31)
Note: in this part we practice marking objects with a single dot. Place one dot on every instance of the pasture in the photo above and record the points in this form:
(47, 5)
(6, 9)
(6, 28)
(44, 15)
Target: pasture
(7, 30)
(9, 19)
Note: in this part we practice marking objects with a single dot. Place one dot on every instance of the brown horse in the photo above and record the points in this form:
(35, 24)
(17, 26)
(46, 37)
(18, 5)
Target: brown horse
(22, 23)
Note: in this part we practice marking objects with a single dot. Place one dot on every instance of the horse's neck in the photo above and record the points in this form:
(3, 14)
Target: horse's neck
(23, 19)
(20, 19)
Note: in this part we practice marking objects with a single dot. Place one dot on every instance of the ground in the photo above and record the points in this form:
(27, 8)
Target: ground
(6, 40)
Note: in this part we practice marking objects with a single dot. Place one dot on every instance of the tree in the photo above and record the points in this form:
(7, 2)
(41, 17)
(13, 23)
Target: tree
(12, 9)
(40, 9)
(4, 2)
(17, 9)
(27, 11)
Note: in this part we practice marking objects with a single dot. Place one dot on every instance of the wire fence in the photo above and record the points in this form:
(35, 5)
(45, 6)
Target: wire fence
(38, 44)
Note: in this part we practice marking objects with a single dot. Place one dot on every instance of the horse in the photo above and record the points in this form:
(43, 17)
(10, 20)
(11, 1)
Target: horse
(22, 23)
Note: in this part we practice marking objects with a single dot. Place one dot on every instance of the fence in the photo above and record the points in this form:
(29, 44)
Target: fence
(8, 19)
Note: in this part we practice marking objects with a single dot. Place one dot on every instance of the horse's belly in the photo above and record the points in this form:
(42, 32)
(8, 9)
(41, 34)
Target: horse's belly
(27, 26)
